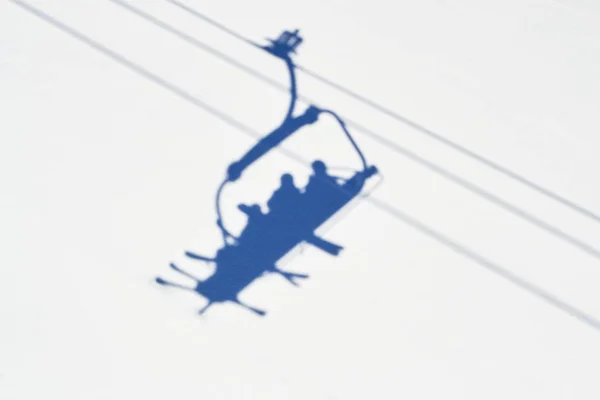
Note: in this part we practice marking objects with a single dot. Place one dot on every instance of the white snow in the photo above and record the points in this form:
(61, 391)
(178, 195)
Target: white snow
(107, 176)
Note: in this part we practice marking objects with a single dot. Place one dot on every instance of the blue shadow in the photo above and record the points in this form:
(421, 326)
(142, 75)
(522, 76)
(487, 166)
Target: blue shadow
(294, 214)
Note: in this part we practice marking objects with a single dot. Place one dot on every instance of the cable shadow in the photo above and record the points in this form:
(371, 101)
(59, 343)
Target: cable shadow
(536, 291)
(444, 173)
(419, 128)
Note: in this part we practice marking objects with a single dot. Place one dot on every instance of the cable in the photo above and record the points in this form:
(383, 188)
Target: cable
(549, 298)
(435, 136)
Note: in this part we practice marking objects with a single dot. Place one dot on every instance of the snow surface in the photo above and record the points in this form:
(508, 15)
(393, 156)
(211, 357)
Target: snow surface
(107, 176)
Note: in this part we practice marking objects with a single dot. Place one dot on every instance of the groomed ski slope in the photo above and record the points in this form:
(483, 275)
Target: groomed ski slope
(456, 281)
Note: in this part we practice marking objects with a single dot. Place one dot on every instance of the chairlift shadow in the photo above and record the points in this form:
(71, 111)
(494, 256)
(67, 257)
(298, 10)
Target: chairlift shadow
(293, 216)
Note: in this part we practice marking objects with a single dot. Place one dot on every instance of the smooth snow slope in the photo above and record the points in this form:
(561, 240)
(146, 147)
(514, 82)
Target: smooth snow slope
(447, 288)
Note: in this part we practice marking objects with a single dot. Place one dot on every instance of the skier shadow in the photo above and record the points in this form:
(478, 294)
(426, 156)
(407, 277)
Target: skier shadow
(292, 218)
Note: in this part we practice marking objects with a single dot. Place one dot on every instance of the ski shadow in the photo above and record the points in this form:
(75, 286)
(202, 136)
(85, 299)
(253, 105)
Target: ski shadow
(293, 216)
